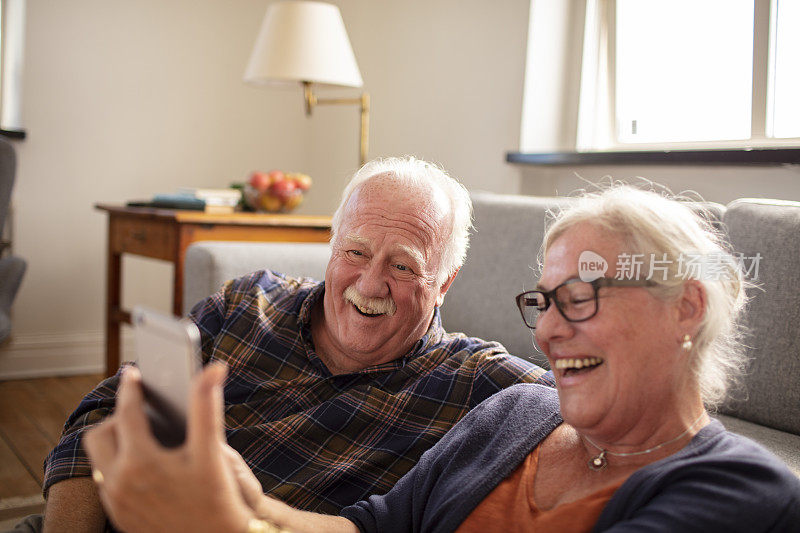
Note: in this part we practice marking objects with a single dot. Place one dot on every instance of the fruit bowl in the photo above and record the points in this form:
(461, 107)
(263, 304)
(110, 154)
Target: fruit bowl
(275, 191)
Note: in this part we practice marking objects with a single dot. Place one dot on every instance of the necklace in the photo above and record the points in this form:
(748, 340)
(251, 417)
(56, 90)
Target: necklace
(599, 461)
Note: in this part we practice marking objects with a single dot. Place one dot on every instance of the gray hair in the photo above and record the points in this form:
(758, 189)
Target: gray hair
(414, 172)
(651, 223)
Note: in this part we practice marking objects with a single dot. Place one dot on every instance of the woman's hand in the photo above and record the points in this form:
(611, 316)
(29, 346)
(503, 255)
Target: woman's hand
(203, 485)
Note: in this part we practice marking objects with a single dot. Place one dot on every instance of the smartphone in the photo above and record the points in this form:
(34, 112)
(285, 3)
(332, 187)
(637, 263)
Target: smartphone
(168, 355)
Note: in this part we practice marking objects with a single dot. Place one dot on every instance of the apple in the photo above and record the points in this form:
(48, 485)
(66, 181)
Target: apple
(283, 189)
(275, 190)
(276, 176)
(260, 181)
(303, 181)
(293, 200)
(270, 203)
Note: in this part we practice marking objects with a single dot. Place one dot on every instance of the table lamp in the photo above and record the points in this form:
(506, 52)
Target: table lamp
(306, 42)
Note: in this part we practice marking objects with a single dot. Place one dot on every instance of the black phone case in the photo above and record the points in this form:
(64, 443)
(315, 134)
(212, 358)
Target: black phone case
(167, 424)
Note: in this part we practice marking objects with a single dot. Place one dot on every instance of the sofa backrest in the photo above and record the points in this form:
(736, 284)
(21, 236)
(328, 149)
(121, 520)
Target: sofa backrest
(771, 389)
(210, 264)
(501, 263)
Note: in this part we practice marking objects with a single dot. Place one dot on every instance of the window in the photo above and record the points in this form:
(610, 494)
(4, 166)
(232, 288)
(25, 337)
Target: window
(683, 70)
(783, 119)
(690, 73)
(12, 40)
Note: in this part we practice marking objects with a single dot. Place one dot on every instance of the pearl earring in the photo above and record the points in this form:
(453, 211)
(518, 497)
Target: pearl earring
(687, 342)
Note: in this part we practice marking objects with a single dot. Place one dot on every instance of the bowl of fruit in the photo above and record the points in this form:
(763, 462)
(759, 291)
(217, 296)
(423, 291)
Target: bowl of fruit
(275, 191)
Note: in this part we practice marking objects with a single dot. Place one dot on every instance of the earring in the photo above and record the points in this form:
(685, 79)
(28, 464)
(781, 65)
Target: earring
(687, 342)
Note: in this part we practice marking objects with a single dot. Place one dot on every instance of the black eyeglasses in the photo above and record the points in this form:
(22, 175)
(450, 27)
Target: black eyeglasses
(575, 299)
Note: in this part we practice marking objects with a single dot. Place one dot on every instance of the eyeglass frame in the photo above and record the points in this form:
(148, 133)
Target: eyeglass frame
(597, 284)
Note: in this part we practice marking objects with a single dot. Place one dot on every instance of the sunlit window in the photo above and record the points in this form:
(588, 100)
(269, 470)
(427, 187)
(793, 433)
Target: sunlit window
(12, 41)
(684, 70)
(666, 74)
(785, 108)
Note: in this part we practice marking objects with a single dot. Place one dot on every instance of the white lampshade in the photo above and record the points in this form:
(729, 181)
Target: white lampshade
(303, 41)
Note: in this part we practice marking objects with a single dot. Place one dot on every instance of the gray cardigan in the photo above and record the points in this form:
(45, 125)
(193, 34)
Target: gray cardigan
(718, 482)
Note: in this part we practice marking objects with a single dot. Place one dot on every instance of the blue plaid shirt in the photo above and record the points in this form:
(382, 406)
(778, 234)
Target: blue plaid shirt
(315, 440)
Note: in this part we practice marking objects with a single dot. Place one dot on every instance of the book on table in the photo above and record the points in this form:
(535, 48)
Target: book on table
(179, 201)
(213, 196)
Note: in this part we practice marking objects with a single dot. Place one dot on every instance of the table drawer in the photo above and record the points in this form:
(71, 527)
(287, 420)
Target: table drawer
(150, 238)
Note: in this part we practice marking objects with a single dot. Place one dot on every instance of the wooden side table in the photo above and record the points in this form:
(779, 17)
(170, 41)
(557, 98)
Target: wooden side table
(166, 233)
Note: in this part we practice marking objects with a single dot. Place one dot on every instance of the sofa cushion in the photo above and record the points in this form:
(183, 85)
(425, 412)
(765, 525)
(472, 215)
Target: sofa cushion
(501, 263)
(210, 264)
(771, 388)
(784, 445)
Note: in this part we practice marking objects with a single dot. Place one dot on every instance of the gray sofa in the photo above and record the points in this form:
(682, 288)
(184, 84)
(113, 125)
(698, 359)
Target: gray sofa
(502, 262)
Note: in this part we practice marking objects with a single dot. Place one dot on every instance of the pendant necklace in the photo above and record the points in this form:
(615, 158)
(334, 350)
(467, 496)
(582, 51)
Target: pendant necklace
(599, 461)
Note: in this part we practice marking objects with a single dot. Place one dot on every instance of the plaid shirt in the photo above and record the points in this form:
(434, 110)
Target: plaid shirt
(319, 441)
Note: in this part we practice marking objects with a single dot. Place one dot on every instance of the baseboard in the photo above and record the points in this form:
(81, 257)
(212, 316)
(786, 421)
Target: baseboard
(64, 354)
(14, 509)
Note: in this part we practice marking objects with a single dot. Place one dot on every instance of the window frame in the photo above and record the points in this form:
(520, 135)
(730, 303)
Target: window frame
(597, 128)
(12, 44)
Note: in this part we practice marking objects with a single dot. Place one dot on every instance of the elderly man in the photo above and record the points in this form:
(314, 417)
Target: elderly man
(334, 389)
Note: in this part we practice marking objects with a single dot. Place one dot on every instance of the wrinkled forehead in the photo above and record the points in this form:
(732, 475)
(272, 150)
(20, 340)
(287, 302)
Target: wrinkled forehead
(581, 248)
(398, 197)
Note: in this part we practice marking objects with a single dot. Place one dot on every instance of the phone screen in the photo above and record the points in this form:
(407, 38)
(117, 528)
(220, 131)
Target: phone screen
(168, 355)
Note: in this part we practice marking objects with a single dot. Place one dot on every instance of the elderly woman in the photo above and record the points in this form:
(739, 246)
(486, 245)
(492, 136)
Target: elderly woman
(626, 442)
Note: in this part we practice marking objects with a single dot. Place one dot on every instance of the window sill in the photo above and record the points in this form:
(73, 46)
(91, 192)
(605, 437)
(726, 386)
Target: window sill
(13, 134)
(740, 156)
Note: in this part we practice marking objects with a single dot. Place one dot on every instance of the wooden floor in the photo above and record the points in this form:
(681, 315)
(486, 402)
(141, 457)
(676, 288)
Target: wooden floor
(32, 414)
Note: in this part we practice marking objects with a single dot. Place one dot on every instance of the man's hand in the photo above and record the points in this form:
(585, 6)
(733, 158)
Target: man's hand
(249, 486)
(73, 505)
(146, 487)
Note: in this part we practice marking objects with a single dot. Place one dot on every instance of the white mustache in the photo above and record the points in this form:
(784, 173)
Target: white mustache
(375, 305)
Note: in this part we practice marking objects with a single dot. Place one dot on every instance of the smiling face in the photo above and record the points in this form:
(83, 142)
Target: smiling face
(381, 282)
(641, 371)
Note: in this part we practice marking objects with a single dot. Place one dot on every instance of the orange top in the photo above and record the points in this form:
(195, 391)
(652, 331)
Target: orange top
(510, 506)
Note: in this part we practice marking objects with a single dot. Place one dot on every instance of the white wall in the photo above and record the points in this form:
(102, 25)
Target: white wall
(123, 100)
(714, 183)
(126, 99)
(445, 78)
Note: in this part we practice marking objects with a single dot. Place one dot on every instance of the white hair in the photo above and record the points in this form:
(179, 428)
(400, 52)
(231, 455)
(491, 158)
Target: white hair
(414, 172)
(651, 223)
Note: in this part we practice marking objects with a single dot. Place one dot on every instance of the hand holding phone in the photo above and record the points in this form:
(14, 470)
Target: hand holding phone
(168, 355)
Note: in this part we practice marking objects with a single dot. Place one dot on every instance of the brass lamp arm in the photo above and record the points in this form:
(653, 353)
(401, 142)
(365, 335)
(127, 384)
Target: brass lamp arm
(311, 100)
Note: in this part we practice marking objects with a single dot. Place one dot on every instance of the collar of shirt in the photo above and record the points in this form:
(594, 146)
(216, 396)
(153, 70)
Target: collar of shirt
(432, 338)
